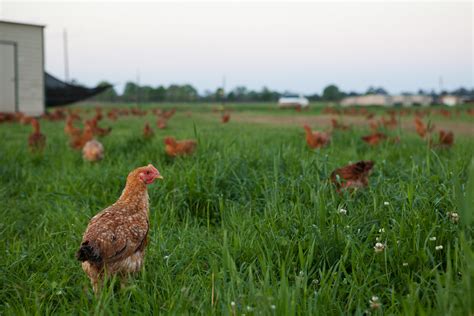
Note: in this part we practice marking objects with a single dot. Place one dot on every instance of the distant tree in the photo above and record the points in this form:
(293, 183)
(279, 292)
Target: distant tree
(376, 90)
(332, 93)
(461, 92)
(314, 97)
(130, 92)
(109, 95)
(184, 93)
(158, 94)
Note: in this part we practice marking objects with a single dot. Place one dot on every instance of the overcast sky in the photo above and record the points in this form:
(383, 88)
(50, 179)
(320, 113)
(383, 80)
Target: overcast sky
(300, 47)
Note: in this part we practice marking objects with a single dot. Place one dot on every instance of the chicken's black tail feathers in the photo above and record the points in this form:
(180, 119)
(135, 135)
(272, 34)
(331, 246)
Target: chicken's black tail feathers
(88, 253)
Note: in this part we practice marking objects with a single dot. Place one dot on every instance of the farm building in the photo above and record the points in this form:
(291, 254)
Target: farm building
(450, 100)
(22, 86)
(387, 100)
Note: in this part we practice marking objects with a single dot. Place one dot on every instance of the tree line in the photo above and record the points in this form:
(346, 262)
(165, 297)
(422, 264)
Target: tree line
(187, 93)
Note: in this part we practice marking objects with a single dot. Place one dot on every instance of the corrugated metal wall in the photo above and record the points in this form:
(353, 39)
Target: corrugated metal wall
(29, 67)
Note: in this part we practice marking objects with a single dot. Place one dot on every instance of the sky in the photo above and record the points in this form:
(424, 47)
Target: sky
(294, 46)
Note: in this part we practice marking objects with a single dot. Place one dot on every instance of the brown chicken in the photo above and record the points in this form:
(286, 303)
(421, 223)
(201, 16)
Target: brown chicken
(316, 139)
(78, 141)
(168, 114)
(161, 123)
(446, 139)
(225, 117)
(69, 127)
(374, 139)
(355, 175)
(115, 239)
(175, 148)
(338, 125)
(421, 128)
(96, 129)
(36, 140)
(147, 131)
(93, 151)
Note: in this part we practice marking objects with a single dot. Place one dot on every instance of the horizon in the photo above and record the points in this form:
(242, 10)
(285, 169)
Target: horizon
(303, 47)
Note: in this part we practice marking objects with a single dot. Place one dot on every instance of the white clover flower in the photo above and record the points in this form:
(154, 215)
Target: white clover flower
(433, 238)
(405, 264)
(374, 302)
(379, 247)
(249, 308)
(343, 211)
(166, 257)
(386, 203)
(439, 247)
(273, 307)
(382, 230)
(454, 217)
(232, 304)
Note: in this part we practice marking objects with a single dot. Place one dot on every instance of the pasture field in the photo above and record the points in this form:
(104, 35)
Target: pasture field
(250, 223)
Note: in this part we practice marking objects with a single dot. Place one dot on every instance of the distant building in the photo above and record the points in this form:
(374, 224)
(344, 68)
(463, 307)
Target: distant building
(387, 100)
(450, 100)
(22, 86)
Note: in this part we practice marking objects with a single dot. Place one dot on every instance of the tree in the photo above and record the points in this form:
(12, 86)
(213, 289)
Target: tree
(130, 92)
(374, 90)
(109, 95)
(332, 93)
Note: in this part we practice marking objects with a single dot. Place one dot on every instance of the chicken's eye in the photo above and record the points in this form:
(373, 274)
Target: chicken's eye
(148, 172)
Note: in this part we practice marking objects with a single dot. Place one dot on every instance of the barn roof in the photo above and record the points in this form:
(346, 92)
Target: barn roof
(21, 23)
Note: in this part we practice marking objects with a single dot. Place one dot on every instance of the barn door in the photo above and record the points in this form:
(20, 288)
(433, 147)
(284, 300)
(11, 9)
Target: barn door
(7, 78)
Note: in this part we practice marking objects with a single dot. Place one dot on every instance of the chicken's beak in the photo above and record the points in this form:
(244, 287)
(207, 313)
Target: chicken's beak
(159, 176)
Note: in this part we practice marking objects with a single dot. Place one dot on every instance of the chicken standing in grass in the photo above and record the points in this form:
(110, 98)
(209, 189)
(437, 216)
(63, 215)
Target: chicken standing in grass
(355, 175)
(36, 140)
(225, 118)
(175, 148)
(115, 239)
(446, 139)
(374, 139)
(93, 151)
(316, 139)
(147, 131)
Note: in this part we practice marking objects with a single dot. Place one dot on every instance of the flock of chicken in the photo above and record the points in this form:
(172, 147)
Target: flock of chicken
(318, 139)
(85, 139)
(115, 240)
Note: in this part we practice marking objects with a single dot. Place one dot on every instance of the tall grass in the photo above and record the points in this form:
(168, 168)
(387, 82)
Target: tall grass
(247, 225)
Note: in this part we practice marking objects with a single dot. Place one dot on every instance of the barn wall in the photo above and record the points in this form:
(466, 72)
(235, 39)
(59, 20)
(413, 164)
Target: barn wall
(30, 65)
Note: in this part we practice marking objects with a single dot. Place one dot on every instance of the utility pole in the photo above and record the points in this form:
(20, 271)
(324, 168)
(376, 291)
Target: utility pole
(137, 96)
(440, 84)
(66, 56)
(223, 90)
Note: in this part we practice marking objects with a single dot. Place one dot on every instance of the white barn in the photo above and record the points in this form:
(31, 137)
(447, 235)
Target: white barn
(22, 87)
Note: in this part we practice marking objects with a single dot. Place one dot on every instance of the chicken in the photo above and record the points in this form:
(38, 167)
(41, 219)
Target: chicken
(391, 123)
(69, 128)
(225, 117)
(115, 240)
(374, 139)
(316, 139)
(338, 125)
(161, 123)
(36, 140)
(355, 175)
(421, 128)
(446, 139)
(96, 130)
(93, 151)
(175, 148)
(147, 131)
(168, 114)
(79, 140)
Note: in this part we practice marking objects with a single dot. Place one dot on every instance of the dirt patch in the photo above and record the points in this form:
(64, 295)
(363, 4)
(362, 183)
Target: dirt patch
(324, 122)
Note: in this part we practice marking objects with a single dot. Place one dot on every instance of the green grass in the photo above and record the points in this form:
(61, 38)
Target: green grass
(251, 218)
